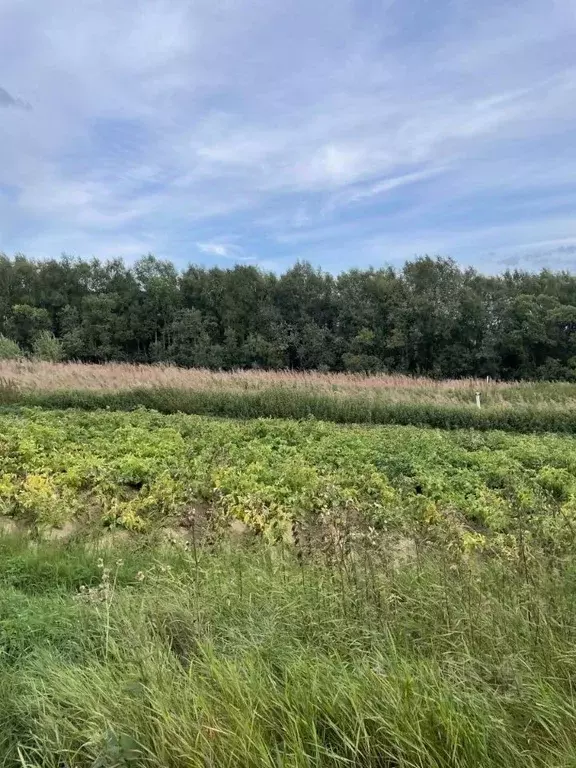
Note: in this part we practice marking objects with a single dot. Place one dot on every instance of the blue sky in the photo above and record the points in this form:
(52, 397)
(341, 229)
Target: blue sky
(344, 132)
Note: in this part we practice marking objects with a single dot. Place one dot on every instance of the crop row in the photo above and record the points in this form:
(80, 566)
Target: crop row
(143, 469)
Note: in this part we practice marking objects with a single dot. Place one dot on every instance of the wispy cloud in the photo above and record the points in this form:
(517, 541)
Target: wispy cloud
(362, 192)
(388, 130)
(223, 250)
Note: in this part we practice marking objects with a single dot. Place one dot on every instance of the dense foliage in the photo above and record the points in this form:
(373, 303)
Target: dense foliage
(431, 317)
(397, 596)
(141, 470)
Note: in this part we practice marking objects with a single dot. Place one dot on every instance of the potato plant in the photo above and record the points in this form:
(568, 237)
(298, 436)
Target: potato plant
(141, 469)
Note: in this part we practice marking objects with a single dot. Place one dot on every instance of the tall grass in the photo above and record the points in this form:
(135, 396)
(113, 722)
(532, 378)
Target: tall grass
(30, 375)
(277, 402)
(235, 657)
(119, 376)
(343, 398)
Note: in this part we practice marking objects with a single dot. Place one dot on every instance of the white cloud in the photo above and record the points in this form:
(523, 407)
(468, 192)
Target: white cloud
(218, 249)
(213, 249)
(183, 120)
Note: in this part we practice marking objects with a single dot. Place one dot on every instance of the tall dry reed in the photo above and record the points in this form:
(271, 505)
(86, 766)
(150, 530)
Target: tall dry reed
(31, 375)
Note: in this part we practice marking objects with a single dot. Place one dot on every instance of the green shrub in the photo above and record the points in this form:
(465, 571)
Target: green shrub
(47, 347)
(9, 349)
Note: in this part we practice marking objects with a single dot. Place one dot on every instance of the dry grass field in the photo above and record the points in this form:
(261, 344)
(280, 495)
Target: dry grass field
(30, 375)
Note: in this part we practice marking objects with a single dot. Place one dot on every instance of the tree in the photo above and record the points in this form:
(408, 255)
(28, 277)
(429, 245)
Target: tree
(26, 322)
(191, 345)
(430, 317)
(157, 304)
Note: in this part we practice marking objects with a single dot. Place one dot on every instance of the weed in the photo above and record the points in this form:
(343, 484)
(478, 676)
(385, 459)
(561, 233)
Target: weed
(257, 658)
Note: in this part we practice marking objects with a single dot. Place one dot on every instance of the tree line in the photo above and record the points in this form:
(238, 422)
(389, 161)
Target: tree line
(430, 317)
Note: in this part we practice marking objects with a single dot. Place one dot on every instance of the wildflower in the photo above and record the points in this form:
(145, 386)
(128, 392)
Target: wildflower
(100, 563)
(119, 563)
(140, 576)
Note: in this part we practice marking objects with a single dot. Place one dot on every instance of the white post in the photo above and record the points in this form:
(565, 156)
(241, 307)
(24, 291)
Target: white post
(478, 400)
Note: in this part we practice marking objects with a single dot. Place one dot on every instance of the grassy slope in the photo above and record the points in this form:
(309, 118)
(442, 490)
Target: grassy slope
(253, 656)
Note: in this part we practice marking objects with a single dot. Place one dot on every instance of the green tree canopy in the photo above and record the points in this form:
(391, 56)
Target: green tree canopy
(429, 317)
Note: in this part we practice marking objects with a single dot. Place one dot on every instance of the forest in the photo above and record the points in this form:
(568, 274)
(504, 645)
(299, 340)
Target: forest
(431, 317)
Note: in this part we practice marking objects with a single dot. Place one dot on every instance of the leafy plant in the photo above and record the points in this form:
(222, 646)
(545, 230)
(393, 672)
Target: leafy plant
(142, 470)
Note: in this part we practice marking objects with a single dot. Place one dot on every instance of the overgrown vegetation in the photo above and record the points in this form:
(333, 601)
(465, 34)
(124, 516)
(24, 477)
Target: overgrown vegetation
(337, 397)
(142, 470)
(47, 347)
(344, 407)
(429, 318)
(283, 594)
(182, 591)
(245, 657)
(9, 350)
(46, 375)
(37, 375)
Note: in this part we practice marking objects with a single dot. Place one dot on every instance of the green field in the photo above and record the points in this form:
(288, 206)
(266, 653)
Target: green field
(142, 470)
(180, 590)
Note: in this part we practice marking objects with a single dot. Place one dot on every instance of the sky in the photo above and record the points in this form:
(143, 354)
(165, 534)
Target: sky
(348, 133)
